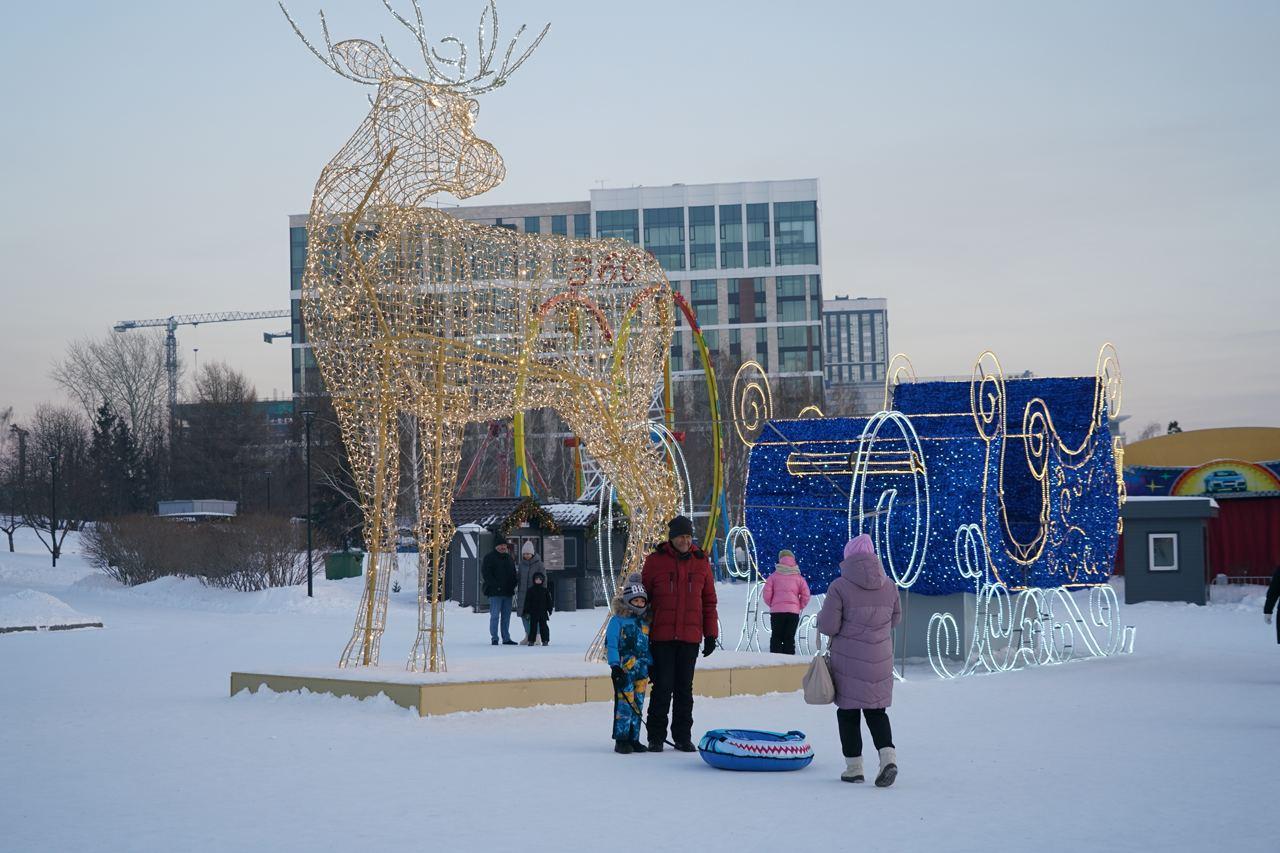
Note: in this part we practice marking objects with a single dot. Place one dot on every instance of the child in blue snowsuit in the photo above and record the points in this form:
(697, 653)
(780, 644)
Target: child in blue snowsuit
(627, 641)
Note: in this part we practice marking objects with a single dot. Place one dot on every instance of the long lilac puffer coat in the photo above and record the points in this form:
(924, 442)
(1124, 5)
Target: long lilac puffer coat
(858, 615)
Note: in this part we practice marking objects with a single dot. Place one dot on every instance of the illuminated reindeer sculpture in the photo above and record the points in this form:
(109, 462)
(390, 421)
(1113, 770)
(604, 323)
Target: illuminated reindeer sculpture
(410, 310)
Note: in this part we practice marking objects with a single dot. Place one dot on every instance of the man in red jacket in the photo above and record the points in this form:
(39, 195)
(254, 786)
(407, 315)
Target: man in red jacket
(682, 602)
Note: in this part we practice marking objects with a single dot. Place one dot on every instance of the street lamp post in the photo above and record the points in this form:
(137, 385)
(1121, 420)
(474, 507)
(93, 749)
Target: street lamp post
(268, 491)
(53, 507)
(308, 416)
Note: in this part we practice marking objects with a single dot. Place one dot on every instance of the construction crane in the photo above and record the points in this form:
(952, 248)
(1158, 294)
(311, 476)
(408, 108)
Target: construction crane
(170, 326)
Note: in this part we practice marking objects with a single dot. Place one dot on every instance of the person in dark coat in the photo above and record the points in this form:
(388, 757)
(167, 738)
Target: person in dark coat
(537, 607)
(498, 580)
(858, 615)
(526, 566)
(1273, 595)
(682, 602)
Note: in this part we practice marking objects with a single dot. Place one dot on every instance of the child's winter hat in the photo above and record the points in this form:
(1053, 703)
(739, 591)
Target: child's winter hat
(860, 544)
(527, 550)
(635, 589)
(537, 575)
(787, 560)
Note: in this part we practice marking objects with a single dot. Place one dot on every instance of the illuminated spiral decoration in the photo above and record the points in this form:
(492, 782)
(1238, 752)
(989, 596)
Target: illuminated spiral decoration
(886, 501)
(752, 401)
(1032, 627)
(1036, 433)
(810, 412)
(1110, 382)
(987, 396)
(900, 370)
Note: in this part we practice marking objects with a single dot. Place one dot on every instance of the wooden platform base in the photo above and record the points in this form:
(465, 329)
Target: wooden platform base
(447, 697)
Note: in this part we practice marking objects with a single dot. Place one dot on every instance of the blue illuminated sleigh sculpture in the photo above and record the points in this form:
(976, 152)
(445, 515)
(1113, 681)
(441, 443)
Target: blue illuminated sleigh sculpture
(1008, 489)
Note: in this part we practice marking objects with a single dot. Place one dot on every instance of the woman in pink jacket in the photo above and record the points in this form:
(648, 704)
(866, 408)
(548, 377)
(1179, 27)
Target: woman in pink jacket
(786, 594)
(858, 615)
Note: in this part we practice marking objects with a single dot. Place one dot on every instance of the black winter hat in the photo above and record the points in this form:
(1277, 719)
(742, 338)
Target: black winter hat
(679, 526)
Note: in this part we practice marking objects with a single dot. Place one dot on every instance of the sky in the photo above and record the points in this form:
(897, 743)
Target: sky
(1030, 178)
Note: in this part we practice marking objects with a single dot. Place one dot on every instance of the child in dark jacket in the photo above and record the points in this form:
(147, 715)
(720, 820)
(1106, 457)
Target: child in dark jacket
(627, 641)
(538, 607)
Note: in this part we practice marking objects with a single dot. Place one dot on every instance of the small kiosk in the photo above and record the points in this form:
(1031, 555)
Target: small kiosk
(1166, 547)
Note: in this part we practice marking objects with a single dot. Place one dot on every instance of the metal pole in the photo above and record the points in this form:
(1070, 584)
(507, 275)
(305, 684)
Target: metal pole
(309, 417)
(268, 493)
(53, 507)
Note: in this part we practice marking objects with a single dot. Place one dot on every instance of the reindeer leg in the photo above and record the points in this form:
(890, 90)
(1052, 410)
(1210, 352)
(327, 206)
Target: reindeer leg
(440, 451)
(646, 486)
(370, 433)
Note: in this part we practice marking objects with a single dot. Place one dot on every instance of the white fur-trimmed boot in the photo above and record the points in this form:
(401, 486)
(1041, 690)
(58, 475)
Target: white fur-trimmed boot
(888, 767)
(852, 770)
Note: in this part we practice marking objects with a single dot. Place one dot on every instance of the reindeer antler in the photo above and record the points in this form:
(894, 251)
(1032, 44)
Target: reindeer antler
(485, 77)
(449, 71)
(331, 60)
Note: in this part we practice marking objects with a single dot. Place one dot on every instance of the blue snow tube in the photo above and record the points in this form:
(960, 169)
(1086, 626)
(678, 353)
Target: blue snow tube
(748, 749)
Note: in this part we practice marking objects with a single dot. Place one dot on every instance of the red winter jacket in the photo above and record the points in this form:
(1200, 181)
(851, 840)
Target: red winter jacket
(682, 595)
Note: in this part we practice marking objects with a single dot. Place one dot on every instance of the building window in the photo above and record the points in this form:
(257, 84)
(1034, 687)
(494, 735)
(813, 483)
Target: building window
(664, 235)
(532, 225)
(560, 225)
(623, 224)
(702, 238)
(791, 299)
(582, 226)
(730, 236)
(1162, 552)
(758, 254)
(795, 230)
(735, 344)
(712, 340)
(762, 348)
(677, 352)
(795, 349)
(705, 302)
(735, 301)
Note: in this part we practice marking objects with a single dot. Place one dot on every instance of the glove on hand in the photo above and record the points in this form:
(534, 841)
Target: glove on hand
(1267, 616)
(619, 676)
(708, 646)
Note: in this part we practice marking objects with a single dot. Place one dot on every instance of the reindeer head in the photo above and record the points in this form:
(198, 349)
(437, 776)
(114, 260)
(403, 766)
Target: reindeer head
(429, 118)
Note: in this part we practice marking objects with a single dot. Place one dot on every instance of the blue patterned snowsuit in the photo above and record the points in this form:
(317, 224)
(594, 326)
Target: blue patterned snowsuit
(627, 639)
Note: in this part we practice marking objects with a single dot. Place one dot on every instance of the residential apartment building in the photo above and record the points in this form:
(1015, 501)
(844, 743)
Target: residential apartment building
(745, 255)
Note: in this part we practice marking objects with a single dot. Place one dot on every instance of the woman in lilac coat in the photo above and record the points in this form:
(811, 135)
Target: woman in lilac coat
(858, 615)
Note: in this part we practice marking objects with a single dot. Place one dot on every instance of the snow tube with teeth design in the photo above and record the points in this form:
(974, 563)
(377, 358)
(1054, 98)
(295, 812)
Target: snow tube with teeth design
(747, 749)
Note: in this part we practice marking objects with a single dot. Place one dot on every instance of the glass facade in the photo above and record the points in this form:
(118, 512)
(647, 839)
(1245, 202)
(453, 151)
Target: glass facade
(796, 351)
(297, 256)
(730, 236)
(532, 224)
(795, 229)
(758, 254)
(560, 225)
(791, 299)
(664, 235)
(623, 224)
(705, 301)
(582, 226)
(702, 238)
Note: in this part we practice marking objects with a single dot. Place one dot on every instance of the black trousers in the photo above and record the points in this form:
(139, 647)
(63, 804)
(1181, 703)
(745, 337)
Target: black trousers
(538, 627)
(851, 729)
(782, 632)
(671, 687)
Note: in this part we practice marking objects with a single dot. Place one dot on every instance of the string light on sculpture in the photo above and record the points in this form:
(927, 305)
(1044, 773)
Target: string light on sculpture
(410, 310)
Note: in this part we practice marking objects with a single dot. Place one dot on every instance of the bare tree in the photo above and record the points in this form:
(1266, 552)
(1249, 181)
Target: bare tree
(58, 434)
(125, 371)
(11, 478)
(1151, 430)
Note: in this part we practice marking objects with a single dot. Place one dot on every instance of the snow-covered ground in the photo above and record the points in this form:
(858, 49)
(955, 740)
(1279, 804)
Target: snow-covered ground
(124, 739)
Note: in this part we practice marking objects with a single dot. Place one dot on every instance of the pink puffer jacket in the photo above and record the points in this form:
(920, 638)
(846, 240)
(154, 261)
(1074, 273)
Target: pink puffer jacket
(786, 592)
